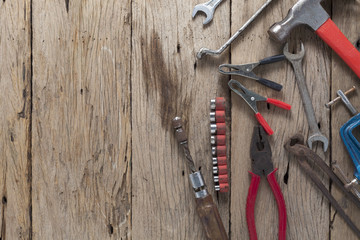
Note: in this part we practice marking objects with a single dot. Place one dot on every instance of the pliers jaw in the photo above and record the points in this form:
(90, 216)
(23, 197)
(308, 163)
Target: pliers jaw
(260, 153)
(250, 97)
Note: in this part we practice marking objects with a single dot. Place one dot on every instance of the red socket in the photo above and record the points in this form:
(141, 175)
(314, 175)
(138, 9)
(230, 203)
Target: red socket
(223, 178)
(221, 161)
(220, 116)
(221, 151)
(222, 170)
(220, 103)
(220, 140)
(224, 187)
(220, 128)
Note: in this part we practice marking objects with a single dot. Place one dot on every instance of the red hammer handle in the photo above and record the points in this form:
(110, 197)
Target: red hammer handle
(332, 35)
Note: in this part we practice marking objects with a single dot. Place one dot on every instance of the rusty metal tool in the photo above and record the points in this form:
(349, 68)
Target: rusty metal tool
(207, 8)
(346, 132)
(312, 14)
(295, 145)
(205, 206)
(252, 98)
(260, 153)
(205, 51)
(315, 134)
(246, 70)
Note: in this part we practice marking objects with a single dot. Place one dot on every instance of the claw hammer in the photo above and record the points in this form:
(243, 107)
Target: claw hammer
(311, 13)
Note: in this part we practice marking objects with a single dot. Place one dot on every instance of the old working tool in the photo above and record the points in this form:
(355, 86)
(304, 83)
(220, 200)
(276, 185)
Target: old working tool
(205, 206)
(208, 8)
(252, 98)
(295, 145)
(296, 61)
(312, 14)
(261, 163)
(346, 133)
(218, 145)
(206, 51)
(246, 70)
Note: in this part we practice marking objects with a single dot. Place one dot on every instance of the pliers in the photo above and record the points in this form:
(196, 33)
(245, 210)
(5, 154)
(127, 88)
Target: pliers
(252, 98)
(260, 153)
(246, 70)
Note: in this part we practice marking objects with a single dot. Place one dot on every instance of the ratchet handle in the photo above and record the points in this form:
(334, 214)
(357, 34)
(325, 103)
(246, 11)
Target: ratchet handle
(278, 103)
(270, 84)
(263, 123)
(210, 218)
(280, 203)
(272, 59)
(332, 35)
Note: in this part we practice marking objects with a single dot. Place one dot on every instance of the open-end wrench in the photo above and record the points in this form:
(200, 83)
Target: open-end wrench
(208, 8)
(296, 61)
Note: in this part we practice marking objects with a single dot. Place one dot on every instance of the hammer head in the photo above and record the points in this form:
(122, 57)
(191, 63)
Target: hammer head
(304, 12)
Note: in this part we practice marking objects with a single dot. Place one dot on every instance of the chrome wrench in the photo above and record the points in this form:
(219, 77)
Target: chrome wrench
(205, 51)
(296, 61)
(208, 8)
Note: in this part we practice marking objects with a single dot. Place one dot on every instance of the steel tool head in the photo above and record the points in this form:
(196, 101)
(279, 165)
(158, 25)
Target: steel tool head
(318, 137)
(260, 152)
(208, 11)
(250, 97)
(304, 12)
(294, 56)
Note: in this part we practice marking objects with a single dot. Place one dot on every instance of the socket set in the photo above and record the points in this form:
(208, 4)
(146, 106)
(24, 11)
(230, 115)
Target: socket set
(218, 144)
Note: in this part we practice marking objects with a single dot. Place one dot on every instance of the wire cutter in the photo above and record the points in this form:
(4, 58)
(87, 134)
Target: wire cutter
(260, 153)
(246, 70)
(252, 98)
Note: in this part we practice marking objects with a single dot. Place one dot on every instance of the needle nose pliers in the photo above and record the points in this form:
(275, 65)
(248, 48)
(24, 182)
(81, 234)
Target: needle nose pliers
(260, 153)
(252, 98)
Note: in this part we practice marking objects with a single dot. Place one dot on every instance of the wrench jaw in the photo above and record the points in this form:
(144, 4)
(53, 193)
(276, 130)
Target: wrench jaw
(292, 56)
(318, 137)
(200, 8)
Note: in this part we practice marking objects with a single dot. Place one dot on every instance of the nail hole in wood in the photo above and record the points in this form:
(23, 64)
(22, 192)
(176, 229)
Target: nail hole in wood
(4, 200)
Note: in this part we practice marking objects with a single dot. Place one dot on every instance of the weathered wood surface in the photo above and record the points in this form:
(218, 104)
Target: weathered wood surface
(168, 81)
(343, 78)
(15, 107)
(89, 91)
(81, 120)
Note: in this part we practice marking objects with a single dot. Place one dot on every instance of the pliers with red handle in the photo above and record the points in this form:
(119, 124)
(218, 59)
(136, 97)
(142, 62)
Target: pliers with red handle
(260, 153)
(252, 98)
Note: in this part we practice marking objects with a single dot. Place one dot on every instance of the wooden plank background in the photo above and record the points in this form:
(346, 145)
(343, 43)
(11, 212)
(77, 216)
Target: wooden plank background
(89, 91)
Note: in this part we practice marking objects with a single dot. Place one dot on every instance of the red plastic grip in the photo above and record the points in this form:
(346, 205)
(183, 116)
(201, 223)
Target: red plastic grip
(332, 35)
(280, 203)
(220, 103)
(220, 128)
(279, 103)
(263, 123)
(220, 140)
(250, 205)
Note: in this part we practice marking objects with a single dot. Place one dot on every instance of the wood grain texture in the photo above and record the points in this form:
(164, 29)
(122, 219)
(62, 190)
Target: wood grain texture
(346, 17)
(81, 120)
(15, 107)
(308, 213)
(167, 82)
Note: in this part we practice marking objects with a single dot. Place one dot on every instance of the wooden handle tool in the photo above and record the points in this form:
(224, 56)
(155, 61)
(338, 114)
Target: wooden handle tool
(205, 206)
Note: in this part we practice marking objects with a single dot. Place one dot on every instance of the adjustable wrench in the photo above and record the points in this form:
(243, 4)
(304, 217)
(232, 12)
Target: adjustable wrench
(208, 8)
(296, 61)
